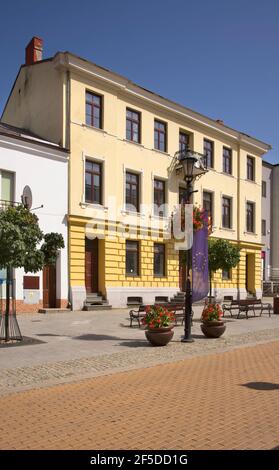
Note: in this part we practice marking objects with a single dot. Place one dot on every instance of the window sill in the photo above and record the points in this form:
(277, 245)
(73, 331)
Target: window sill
(251, 233)
(247, 180)
(92, 205)
(162, 152)
(98, 129)
(164, 218)
(138, 144)
(227, 174)
(227, 229)
(134, 276)
(137, 214)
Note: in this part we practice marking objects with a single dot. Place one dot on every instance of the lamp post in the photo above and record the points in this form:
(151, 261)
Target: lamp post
(193, 167)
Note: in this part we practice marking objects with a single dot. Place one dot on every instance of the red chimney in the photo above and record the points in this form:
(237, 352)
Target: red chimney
(34, 51)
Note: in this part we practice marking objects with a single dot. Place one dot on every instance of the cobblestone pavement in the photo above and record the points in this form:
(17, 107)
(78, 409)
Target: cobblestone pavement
(138, 355)
(217, 401)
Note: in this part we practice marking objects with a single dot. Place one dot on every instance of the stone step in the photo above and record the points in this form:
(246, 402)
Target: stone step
(92, 308)
(95, 300)
(54, 310)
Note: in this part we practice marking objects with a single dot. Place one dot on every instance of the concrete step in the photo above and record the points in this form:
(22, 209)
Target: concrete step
(92, 308)
(54, 310)
(96, 300)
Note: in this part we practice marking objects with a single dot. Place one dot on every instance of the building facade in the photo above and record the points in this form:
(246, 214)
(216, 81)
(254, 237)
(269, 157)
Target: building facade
(122, 140)
(266, 220)
(270, 223)
(27, 161)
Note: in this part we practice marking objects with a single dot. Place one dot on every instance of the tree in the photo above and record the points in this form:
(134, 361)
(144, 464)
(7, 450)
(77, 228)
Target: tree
(221, 255)
(20, 240)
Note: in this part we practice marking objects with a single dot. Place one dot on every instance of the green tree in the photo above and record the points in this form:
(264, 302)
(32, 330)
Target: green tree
(24, 245)
(221, 255)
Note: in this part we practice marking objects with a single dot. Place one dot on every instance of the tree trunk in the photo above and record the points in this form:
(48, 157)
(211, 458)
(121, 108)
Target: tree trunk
(8, 280)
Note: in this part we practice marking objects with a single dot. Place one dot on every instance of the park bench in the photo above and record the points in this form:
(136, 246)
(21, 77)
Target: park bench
(178, 309)
(246, 305)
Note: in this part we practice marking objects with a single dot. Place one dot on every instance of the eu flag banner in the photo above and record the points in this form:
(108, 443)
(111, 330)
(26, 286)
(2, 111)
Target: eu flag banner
(200, 283)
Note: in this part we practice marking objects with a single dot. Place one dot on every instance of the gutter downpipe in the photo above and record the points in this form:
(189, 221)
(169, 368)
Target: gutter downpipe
(68, 146)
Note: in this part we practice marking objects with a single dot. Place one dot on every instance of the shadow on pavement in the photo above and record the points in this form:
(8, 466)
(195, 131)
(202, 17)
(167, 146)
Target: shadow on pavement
(261, 385)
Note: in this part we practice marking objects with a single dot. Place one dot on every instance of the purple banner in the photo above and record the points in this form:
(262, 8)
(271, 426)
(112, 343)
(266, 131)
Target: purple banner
(200, 284)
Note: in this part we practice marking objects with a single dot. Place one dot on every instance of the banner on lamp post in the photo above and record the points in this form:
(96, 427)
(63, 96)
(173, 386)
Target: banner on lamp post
(200, 284)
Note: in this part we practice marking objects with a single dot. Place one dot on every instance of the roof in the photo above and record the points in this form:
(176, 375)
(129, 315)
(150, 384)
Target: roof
(24, 134)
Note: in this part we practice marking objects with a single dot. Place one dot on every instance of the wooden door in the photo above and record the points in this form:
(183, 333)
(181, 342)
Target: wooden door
(182, 271)
(49, 287)
(91, 265)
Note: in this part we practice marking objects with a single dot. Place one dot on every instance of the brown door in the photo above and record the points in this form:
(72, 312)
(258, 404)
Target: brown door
(91, 265)
(182, 271)
(49, 287)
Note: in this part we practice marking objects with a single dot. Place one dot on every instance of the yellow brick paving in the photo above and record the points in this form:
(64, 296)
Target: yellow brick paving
(198, 403)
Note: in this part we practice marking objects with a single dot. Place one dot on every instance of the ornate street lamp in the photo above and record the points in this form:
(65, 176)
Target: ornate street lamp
(193, 166)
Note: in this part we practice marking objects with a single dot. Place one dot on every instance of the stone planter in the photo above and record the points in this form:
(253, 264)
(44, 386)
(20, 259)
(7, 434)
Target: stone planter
(213, 329)
(159, 336)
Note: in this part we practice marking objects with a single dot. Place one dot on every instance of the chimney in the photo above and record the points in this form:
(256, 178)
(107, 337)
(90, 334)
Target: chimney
(220, 121)
(34, 51)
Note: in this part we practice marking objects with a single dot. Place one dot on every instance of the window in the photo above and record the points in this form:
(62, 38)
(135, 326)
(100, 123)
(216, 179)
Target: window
(263, 227)
(132, 258)
(207, 203)
(159, 259)
(132, 192)
(94, 110)
(160, 136)
(251, 168)
(226, 275)
(93, 182)
(263, 188)
(183, 141)
(159, 197)
(7, 186)
(133, 125)
(250, 216)
(227, 160)
(208, 150)
(226, 212)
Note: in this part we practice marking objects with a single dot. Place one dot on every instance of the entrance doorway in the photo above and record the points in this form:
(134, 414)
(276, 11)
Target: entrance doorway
(49, 286)
(182, 270)
(250, 274)
(91, 265)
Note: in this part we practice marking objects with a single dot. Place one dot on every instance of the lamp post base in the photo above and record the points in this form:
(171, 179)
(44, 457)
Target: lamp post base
(187, 340)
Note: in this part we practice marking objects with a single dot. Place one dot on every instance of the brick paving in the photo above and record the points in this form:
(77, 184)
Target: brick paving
(226, 400)
(139, 355)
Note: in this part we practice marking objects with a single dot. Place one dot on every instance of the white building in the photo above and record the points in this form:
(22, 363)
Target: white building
(26, 160)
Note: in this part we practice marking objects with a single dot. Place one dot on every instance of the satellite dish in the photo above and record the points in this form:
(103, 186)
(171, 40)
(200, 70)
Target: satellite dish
(26, 197)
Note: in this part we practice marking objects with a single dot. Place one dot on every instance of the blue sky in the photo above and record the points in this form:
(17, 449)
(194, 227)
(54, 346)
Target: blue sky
(218, 57)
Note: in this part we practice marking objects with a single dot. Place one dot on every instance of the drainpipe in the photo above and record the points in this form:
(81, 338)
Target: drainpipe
(68, 146)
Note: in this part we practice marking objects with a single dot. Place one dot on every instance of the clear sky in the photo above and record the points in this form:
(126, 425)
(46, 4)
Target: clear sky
(218, 57)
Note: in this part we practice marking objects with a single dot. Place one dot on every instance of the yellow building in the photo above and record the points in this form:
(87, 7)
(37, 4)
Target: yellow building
(122, 139)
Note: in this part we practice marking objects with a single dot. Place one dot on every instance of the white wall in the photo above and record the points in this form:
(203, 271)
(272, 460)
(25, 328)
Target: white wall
(45, 170)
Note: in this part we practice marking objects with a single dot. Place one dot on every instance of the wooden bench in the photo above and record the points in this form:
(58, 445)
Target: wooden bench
(246, 305)
(178, 309)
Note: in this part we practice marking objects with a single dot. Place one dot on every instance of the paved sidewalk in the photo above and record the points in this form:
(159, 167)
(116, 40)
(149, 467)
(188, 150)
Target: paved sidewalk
(81, 345)
(219, 401)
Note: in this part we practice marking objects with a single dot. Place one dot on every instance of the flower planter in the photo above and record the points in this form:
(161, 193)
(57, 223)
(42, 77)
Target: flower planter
(159, 336)
(213, 328)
